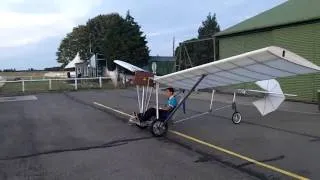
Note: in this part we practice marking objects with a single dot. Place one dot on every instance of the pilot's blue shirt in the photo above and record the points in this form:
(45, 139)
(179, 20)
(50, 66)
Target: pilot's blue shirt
(172, 102)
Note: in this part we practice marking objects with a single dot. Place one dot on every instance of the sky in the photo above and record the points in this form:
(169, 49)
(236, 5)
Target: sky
(31, 30)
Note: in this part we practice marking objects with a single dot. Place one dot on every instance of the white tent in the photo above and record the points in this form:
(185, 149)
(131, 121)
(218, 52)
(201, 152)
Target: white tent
(76, 60)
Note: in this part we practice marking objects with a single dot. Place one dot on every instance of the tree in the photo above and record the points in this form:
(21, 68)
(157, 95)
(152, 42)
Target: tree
(134, 44)
(98, 28)
(209, 27)
(74, 42)
(201, 52)
(111, 35)
(205, 49)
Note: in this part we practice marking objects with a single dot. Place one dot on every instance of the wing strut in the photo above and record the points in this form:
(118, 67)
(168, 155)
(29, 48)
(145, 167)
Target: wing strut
(211, 101)
(184, 98)
(139, 104)
(157, 100)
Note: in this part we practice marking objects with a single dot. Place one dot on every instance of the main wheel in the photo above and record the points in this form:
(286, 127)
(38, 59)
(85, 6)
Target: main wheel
(236, 117)
(159, 128)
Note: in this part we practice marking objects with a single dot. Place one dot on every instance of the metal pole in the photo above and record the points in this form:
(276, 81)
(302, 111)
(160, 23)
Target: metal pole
(234, 106)
(142, 101)
(185, 98)
(157, 100)
(173, 46)
(190, 62)
(149, 90)
(150, 94)
(214, 48)
(179, 59)
(138, 93)
(146, 99)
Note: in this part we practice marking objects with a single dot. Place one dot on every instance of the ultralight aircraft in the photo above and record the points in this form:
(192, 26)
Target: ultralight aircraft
(261, 66)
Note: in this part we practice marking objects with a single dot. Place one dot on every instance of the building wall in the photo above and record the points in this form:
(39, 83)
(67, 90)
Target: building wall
(303, 40)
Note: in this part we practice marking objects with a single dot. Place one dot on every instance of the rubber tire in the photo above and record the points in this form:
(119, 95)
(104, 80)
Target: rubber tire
(234, 118)
(157, 123)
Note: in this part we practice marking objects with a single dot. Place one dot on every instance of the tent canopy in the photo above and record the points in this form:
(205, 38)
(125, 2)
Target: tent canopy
(76, 60)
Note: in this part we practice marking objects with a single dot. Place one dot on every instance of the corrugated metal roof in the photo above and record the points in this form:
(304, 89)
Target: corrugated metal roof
(290, 12)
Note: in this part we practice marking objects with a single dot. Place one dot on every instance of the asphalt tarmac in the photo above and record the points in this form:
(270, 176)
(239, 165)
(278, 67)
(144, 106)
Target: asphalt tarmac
(67, 136)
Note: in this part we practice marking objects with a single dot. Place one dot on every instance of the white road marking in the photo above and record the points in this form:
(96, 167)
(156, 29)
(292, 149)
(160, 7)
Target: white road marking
(18, 98)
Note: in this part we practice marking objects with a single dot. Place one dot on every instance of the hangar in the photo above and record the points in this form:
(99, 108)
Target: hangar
(294, 25)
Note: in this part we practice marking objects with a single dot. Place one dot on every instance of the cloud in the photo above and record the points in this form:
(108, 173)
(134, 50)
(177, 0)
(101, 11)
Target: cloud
(21, 28)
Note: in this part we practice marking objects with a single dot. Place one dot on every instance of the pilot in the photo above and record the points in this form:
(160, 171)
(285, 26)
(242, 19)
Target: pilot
(163, 112)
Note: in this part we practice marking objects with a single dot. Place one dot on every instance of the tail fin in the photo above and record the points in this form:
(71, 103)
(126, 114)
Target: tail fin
(273, 97)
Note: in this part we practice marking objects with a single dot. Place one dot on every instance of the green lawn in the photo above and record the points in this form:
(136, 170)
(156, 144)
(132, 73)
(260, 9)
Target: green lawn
(56, 85)
(25, 75)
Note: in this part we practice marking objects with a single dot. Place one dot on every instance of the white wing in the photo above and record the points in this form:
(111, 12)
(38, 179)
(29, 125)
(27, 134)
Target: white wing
(128, 66)
(263, 64)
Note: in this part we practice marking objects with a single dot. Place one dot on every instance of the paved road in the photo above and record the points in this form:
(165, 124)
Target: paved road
(63, 136)
(287, 139)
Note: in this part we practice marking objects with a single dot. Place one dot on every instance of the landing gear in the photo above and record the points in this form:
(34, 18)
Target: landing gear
(158, 128)
(236, 117)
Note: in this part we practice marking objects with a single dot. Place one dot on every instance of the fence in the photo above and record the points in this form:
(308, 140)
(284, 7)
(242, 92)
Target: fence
(38, 85)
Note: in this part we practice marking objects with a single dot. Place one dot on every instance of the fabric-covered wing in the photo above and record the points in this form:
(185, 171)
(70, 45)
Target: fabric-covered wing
(128, 66)
(263, 64)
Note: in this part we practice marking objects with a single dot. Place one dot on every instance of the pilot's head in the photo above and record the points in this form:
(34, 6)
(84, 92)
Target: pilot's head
(169, 92)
